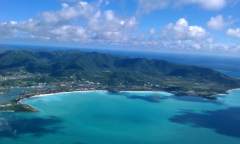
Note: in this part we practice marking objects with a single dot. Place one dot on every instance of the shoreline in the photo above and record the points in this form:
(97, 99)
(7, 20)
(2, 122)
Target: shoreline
(56, 93)
(23, 106)
(50, 94)
(236, 89)
(88, 91)
(228, 92)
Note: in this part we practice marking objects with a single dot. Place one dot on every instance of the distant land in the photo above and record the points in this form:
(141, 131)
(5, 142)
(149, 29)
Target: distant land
(42, 72)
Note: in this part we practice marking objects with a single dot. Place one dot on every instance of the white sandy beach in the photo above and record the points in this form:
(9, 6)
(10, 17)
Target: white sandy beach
(85, 91)
(102, 91)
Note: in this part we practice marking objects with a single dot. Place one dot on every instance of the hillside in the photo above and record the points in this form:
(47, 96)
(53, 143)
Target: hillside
(74, 70)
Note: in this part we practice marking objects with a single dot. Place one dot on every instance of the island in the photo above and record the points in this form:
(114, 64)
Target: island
(44, 72)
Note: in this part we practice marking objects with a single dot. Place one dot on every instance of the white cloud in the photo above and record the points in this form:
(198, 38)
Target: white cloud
(109, 15)
(234, 32)
(181, 36)
(216, 23)
(69, 32)
(8, 28)
(79, 22)
(146, 6)
(184, 37)
(80, 9)
(152, 31)
(208, 4)
(85, 22)
(50, 17)
(182, 30)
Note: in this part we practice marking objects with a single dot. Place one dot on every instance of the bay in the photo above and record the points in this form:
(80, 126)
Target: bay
(100, 117)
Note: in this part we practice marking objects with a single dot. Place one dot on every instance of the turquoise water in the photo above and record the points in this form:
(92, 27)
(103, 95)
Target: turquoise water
(103, 118)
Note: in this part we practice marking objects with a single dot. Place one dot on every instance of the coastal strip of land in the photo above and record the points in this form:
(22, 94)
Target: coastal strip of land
(47, 72)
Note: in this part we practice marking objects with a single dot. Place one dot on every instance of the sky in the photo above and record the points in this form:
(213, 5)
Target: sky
(183, 26)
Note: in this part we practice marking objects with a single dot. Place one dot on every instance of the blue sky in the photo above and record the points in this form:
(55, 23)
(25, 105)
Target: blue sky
(200, 26)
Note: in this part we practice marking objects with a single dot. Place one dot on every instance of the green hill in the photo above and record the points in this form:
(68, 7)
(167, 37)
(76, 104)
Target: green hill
(103, 71)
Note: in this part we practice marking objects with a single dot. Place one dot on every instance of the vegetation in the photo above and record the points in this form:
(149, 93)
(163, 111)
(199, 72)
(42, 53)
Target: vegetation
(53, 71)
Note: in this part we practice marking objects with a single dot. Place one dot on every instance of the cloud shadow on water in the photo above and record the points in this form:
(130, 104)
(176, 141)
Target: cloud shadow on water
(150, 98)
(224, 121)
(15, 126)
(196, 99)
(157, 98)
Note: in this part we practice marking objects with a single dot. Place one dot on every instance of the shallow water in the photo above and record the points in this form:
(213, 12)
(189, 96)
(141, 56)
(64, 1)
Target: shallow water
(100, 117)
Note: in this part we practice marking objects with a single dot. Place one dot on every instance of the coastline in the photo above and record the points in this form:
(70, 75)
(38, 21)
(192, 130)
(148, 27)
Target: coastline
(20, 105)
(236, 89)
(104, 91)
(227, 92)
(33, 109)
(56, 93)
(89, 91)
(50, 94)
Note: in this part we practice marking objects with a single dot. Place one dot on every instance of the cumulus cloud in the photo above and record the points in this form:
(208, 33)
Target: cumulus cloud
(234, 32)
(84, 22)
(182, 30)
(181, 36)
(69, 32)
(79, 21)
(216, 23)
